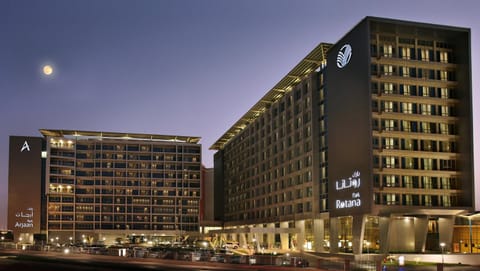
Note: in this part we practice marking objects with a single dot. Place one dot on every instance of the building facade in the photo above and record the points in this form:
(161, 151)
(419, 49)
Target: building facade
(104, 187)
(364, 142)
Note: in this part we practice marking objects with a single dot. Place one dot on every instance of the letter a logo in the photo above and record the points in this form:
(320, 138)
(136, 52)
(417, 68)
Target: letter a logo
(25, 146)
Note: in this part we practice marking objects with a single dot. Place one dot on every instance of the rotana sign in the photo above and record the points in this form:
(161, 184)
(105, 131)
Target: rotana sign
(344, 55)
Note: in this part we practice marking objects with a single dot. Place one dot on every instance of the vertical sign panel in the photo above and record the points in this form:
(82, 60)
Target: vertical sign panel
(349, 124)
(24, 187)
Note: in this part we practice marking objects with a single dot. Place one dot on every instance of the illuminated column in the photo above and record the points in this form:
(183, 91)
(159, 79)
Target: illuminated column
(284, 236)
(334, 235)
(421, 230)
(358, 229)
(243, 239)
(259, 237)
(318, 234)
(445, 229)
(271, 235)
(300, 225)
(384, 227)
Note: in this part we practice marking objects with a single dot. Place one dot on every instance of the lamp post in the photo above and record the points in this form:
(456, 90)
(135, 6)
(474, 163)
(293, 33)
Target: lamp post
(442, 246)
(470, 234)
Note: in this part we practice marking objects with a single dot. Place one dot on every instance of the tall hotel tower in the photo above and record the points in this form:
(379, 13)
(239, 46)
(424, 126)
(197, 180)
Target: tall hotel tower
(366, 144)
(94, 187)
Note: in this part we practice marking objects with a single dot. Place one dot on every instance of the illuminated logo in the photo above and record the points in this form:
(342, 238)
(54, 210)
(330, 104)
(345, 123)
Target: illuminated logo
(350, 182)
(344, 55)
(353, 183)
(25, 147)
(26, 219)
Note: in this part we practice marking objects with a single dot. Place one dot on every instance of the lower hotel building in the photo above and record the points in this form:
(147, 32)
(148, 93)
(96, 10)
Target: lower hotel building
(104, 187)
(365, 146)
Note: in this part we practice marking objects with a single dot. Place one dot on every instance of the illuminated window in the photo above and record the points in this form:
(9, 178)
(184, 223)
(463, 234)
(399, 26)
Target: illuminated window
(426, 109)
(427, 200)
(391, 199)
(444, 93)
(389, 143)
(445, 111)
(424, 91)
(389, 161)
(443, 75)
(443, 57)
(387, 50)
(407, 144)
(445, 146)
(390, 180)
(427, 164)
(389, 125)
(445, 183)
(426, 127)
(388, 106)
(388, 88)
(387, 69)
(407, 181)
(444, 129)
(408, 200)
(405, 89)
(426, 145)
(408, 163)
(406, 53)
(446, 201)
(407, 108)
(425, 54)
(406, 126)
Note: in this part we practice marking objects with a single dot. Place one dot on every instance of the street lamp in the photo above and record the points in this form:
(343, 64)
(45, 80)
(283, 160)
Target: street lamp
(442, 245)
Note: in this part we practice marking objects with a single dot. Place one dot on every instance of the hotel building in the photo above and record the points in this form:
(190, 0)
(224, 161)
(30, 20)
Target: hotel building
(104, 187)
(365, 145)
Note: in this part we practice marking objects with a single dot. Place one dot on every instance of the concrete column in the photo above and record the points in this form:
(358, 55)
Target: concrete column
(284, 236)
(384, 241)
(300, 225)
(358, 229)
(243, 240)
(318, 235)
(333, 235)
(271, 235)
(259, 238)
(421, 230)
(223, 238)
(445, 229)
(402, 234)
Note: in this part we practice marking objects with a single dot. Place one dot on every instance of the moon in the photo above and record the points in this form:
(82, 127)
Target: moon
(47, 70)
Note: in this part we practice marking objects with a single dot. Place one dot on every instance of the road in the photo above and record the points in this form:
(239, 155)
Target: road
(17, 260)
(51, 261)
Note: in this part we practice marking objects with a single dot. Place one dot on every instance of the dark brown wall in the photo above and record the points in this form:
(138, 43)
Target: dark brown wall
(349, 123)
(25, 185)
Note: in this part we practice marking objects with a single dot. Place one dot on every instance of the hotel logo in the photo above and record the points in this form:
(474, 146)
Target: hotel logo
(25, 147)
(344, 55)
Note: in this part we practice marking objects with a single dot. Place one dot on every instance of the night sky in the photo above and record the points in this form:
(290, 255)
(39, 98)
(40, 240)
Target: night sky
(178, 67)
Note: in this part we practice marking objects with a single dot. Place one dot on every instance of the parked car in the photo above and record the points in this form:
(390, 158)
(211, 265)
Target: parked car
(231, 245)
(295, 261)
(219, 258)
